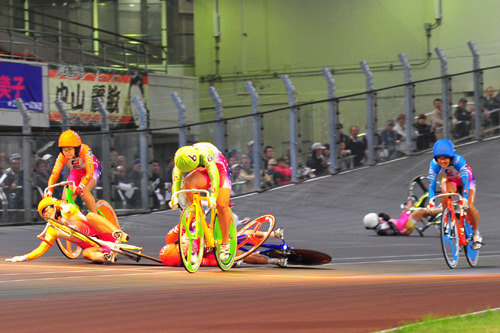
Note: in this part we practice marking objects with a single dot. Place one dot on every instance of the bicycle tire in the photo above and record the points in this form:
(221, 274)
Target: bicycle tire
(109, 213)
(449, 239)
(301, 257)
(233, 242)
(471, 254)
(191, 240)
(66, 248)
(249, 240)
(419, 186)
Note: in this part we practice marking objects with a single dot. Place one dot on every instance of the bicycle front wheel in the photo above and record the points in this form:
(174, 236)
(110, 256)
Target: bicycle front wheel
(253, 234)
(108, 212)
(233, 240)
(191, 240)
(471, 254)
(70, 250)
(449, 239)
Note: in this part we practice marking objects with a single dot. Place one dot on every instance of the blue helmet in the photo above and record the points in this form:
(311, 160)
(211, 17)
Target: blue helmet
(443, 148)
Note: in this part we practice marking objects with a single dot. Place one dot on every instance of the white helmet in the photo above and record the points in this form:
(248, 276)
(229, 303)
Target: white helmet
(370, 220)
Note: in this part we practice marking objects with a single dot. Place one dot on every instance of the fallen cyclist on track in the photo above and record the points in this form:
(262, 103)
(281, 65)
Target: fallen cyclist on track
(405, 224)
(169, 254)
(91, 224)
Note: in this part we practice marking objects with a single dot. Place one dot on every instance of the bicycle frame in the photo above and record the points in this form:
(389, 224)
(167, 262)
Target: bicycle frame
(192, 240)
(450, 206)
(201, 215)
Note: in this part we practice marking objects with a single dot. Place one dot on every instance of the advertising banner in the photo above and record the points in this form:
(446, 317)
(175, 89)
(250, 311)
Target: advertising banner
(76, 86)
(21, 81)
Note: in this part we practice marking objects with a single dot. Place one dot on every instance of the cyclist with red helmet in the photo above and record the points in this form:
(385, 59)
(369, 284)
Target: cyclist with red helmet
(85, 168)
(456, 175)
(207, 168)
(91, 225)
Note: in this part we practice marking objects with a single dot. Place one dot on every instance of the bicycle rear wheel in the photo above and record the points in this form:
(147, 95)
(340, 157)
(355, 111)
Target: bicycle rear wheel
(449, 239)
(471, 254)
(191, 240)
(301, 257)
(108, 212)
(233, 240)
(253, 234)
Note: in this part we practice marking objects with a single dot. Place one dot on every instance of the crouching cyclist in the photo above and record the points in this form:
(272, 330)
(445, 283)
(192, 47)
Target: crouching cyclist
(457, 176)
(207, 168)
(91, 225)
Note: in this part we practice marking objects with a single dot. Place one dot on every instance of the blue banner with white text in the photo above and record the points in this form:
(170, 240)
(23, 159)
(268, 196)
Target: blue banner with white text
(21, 81)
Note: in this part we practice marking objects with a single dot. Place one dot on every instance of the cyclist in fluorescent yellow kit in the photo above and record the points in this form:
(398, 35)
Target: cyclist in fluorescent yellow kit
(207, 168)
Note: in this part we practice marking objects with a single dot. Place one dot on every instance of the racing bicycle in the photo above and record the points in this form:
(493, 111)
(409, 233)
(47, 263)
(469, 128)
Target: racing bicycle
(252, 238)
(456, 231)
(199, 230)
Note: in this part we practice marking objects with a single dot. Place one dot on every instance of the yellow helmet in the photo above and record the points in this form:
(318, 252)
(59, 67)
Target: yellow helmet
(46, 202)
(69, 138)
(187, 158)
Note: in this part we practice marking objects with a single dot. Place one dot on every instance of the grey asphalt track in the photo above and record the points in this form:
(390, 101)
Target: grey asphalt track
(368, 278)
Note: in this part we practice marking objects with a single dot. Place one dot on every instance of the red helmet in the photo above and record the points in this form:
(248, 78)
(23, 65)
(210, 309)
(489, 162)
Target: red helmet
(169, 255)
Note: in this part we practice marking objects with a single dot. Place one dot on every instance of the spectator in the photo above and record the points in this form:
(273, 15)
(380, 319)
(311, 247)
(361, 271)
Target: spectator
(12, 182)
(315, 160)
(135, 176)
(41, 178)
(124, 189)
(250, 151)
(437, 119)
(341, 137)
(425, 136)
(157, 185)
(268, 154)
(463, 118)
(247, 173)
(326, 154)
(400, 128)
(271, 176)
(235, 154)
(389, 141)
(285, 170)
(344, 156)
(490, 104)
(357, 146)
(237, 181)
(168, 178)
(494, 114)
(3, 163)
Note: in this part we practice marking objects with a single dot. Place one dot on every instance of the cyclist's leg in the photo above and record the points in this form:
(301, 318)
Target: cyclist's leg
(224, 213)
(94, 254)
(105, 228)
(88, 198)
(472, 212)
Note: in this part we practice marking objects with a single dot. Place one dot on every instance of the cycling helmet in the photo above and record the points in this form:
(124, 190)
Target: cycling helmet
(187, 158)
(443, 148)
(370, 220)
(70, 138)
(46, 202)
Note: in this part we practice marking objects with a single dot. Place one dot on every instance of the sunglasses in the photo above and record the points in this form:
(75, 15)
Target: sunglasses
(67, 148)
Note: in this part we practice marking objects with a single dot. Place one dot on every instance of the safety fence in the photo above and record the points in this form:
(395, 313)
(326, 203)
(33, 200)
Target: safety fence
(293, 130)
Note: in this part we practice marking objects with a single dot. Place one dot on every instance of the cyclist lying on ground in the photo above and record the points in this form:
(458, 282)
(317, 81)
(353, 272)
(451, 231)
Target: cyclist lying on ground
(169, 254)
(92, 225)
(385, 226)
(85, 168)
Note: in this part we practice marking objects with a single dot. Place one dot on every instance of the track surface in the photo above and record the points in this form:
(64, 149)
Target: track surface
(373, 283)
